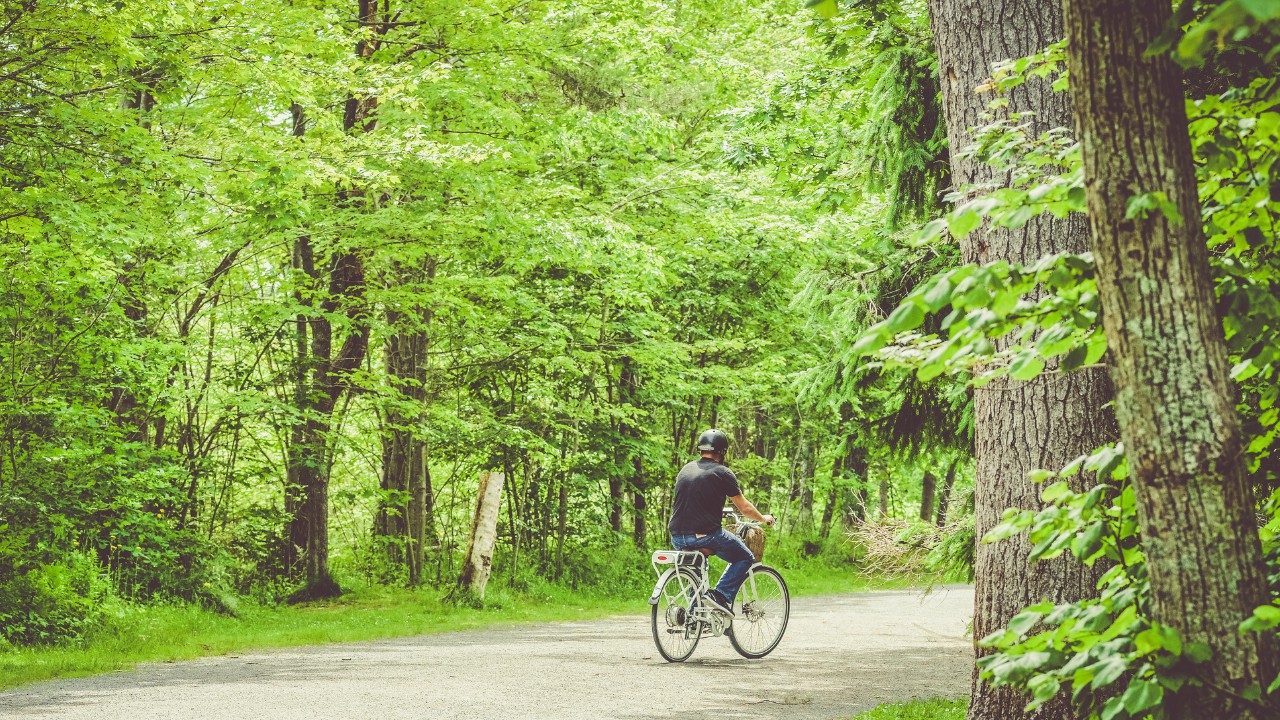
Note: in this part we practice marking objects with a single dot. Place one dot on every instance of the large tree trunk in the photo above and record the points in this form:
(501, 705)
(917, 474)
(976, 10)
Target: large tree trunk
(1019, 426)
(1174, 400)
(341, 283)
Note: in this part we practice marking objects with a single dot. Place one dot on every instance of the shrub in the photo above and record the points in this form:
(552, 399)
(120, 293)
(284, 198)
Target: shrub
(52, 603)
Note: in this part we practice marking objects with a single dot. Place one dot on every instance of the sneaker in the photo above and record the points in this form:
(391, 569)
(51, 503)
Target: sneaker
(718, 603)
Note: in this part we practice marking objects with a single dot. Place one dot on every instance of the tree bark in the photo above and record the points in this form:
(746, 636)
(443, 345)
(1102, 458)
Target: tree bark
(307, 474)
(406, 472)
(1019, 426)
(1174, 401)
(833, 495)
(944, 500)
(927, 491)
(478, 561)
(856, 497)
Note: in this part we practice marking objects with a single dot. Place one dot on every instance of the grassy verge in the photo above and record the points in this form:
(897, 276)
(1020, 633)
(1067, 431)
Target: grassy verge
(918, 710)
(178, 632)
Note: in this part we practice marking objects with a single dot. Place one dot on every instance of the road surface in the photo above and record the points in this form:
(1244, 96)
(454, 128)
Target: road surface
(841, 655)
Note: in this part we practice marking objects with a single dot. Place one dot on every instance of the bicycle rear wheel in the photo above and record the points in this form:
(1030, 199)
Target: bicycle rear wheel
(675, 632)
(761, 611)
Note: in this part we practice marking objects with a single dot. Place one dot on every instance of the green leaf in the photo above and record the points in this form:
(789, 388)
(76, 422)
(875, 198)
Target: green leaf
(1265, 617)
(1089, 542)
(1142, 694)
(930, 232)
(826, 8)
(939, 295)
(1039, 476)
(930, 371)
(1243, 371)
(1148, 641)
(1114, 707)
(906, 316)
(1108, 671)
(1024, 621)
(1026, 366)
(962, 222)
(1075, 358)
(1044, 687)
(1197, 652)
(869, 343)
(1055, 491)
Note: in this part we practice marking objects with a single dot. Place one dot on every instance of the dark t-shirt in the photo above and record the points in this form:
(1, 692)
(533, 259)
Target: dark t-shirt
(701, 489)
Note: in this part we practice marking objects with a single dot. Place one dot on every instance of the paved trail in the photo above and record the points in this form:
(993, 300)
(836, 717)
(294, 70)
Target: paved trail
(840, 655)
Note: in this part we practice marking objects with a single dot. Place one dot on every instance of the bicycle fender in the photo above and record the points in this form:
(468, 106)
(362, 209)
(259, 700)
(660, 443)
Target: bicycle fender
(657, 589)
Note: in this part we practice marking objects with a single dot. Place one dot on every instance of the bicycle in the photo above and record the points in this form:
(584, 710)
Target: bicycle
(761, 609)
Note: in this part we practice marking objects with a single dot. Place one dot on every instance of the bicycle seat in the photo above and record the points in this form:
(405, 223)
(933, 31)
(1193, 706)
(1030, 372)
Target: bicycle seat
(706, 552)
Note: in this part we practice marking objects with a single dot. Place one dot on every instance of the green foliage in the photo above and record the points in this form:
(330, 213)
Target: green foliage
(218, 220)
(52, 603)
(996, 320)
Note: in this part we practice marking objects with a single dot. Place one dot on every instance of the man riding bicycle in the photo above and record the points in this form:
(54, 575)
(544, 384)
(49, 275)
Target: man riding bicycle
(701, 489)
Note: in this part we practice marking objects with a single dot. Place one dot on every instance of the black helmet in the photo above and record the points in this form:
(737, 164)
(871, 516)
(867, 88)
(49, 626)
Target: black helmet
(713, 440)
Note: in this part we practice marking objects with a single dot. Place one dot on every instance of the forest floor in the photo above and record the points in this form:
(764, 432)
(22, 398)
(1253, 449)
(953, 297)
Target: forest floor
(841, 654)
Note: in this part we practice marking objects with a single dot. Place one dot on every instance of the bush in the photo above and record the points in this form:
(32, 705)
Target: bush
(52, 603)
(899, 547)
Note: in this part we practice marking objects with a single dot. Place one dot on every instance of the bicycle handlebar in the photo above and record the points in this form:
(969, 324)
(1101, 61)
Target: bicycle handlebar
(739, 520)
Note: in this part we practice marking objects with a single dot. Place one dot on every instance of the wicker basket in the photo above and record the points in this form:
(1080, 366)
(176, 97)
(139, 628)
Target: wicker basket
(754, 538)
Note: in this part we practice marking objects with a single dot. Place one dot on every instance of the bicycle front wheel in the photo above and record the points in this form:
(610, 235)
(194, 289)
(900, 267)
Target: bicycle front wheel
(675, 632)
(761, 611)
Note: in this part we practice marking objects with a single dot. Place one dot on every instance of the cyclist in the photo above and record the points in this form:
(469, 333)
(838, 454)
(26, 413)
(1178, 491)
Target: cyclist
(701, 489)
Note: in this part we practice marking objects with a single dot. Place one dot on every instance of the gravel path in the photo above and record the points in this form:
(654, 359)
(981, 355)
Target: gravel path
(840, 655)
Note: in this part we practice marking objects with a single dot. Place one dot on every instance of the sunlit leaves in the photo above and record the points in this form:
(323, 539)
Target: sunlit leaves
(1003, 320)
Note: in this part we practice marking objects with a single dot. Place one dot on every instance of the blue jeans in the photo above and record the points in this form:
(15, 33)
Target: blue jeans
(727, 546)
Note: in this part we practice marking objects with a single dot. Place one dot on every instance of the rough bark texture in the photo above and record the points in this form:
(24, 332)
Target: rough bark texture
(1174, 400)
(1019, 426)
(478, 561)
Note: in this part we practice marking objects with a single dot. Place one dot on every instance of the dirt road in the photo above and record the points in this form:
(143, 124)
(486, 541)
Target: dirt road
(840, 655)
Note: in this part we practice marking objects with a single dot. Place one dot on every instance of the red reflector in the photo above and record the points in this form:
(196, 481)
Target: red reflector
(662, 557)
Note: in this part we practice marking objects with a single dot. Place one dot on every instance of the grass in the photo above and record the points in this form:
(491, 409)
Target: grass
(157, 633)
(918, 710)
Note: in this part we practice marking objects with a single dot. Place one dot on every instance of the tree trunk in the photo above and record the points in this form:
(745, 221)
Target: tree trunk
(1019, 426)
(855, 467)
(562, 524)
(478, 561)
(402, 518)
(944, 500)
(833, 495)
(884, 496)
(308, 492)
(927, 491)
(640, 527)
(1175, 401)
(615, 504)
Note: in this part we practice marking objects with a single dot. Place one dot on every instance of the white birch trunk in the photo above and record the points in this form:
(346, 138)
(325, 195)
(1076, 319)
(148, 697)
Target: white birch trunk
(484, 535)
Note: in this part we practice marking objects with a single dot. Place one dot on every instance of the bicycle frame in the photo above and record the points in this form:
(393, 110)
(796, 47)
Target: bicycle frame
(696, 561)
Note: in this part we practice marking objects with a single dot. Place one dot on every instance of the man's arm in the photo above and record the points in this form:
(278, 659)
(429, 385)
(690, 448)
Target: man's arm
(746, 508)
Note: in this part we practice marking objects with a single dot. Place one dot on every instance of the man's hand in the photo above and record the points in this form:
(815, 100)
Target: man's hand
(770, 520)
